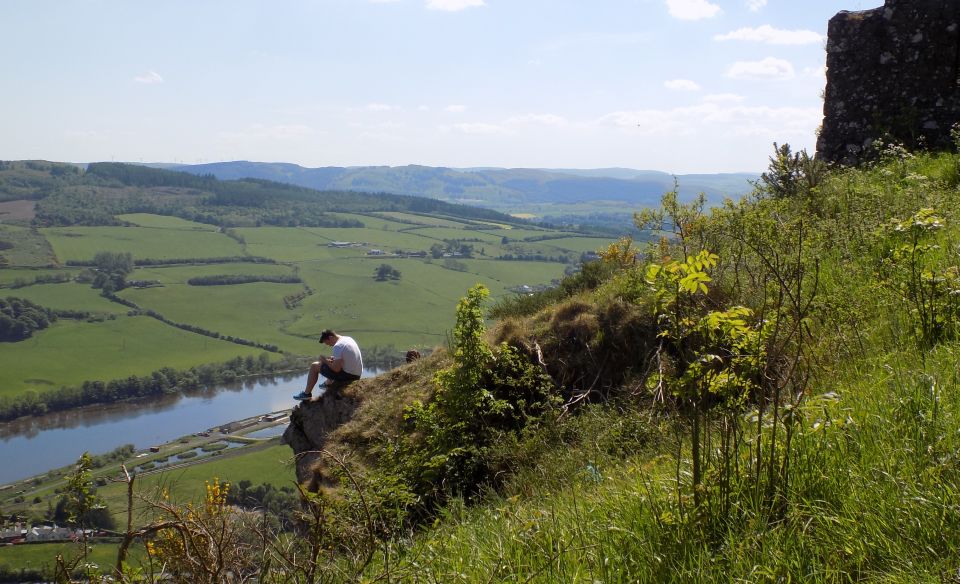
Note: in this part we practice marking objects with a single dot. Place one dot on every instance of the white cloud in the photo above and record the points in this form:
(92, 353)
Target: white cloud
(755, 5)
(453, 5)
(816, 72)
(380, 126)
(681, 85)
(380, 107)
(692, 9)
(723, 98)
(731, 119)
(769, 68)
(380, 136)
(275, 132)
(539, 119)
(479, 128)
(455, 108)
(772, 36)
(85, 134)
(149, 78)
(593, 40)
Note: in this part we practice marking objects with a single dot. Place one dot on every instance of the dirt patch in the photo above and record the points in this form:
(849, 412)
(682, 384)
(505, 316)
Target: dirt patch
(17, 210)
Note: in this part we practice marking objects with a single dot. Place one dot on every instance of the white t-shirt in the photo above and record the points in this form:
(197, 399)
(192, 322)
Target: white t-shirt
(346, 348)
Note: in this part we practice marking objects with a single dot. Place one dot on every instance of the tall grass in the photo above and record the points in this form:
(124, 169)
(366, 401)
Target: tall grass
(874, 470)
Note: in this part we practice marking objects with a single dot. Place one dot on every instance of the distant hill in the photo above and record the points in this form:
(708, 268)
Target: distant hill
(497, 188)
(67, 194)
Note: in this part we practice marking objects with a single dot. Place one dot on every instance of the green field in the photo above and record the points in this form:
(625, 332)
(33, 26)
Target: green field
(67, 296)
(373, 220)
(253, 311)
(422, 220)
(30, 247)
(179, 274)
(42, 556)
(286, 244)
(375, 238)
(82, 243)
(165, 222)
(415, 311)
(10, 276)
(441, 233)
(576, 244)
(271, 463)
(70, 352)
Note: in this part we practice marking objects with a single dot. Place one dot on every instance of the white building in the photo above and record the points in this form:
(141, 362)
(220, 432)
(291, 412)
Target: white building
(48, 533)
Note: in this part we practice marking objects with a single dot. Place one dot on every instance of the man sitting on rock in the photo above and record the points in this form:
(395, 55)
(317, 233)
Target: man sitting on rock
(343, 367)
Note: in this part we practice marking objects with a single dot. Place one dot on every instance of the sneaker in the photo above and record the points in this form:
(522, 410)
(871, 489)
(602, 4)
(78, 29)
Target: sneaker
(303, 396)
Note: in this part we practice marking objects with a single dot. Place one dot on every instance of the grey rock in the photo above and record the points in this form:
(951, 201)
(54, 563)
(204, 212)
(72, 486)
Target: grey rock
(310, 424)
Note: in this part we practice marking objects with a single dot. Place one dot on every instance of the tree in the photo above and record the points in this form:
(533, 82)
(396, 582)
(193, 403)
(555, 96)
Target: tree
(80, 504)
(112, 270)
(791, 174)
(386, 272)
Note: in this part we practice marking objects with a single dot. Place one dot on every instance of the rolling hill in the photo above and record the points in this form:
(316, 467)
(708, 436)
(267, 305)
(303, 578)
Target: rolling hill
(496, 188)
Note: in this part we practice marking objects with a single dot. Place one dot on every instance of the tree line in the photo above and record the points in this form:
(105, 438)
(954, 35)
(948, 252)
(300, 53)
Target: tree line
(179, 261)
(230, 279)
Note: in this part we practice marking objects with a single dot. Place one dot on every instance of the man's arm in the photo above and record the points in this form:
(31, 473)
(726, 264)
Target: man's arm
(334, 363)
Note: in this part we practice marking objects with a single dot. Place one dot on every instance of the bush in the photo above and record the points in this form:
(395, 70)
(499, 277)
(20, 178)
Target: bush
(482, 399)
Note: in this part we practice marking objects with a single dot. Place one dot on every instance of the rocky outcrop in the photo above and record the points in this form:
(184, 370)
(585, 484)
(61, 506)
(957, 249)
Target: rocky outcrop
(312, 422)
(891, 71)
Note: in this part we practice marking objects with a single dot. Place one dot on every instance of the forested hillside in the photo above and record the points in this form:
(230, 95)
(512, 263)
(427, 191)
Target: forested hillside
(68, 195)
(563, 196)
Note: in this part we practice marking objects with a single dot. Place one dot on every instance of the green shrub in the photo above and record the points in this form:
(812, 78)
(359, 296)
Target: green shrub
(484, 398)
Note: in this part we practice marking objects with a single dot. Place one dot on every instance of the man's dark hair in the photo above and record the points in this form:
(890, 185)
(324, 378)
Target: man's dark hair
(327, 333)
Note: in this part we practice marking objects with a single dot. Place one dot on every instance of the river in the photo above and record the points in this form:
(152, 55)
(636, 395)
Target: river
(30, 446)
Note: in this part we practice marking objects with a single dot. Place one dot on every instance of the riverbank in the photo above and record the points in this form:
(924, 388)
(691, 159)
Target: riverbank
(30, 496)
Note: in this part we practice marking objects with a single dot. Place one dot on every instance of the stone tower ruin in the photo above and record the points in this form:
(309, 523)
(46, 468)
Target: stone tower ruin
(894, 72)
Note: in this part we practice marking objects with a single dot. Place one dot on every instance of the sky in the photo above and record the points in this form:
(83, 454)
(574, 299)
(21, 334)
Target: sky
(681, 86)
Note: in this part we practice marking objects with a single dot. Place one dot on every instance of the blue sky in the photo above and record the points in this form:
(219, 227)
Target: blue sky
(675, 85)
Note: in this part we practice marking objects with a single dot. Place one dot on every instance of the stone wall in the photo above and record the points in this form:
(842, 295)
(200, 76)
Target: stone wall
(891, 71)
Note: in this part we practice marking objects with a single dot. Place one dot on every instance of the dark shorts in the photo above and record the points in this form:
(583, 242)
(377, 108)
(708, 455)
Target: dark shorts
(337, 375)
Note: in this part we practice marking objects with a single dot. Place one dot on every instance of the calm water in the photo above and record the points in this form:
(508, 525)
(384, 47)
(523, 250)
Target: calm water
(34, 445)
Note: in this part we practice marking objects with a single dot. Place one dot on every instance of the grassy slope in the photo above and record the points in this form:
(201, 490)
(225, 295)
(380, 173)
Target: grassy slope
(874, 475)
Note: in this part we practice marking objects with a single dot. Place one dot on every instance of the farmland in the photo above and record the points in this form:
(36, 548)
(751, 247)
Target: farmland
(324, 285)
